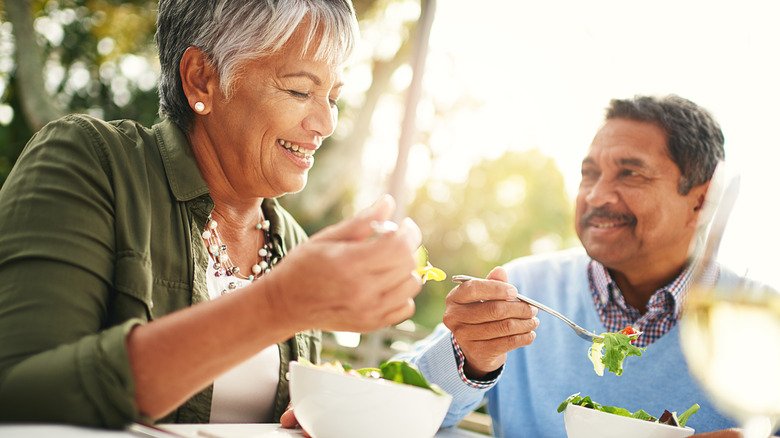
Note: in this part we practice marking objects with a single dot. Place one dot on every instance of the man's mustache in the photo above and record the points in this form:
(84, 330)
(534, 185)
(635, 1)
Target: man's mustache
(606, 214)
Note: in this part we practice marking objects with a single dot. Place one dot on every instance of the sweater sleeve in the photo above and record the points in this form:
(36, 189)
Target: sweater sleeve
(436, 359)
(59, 360)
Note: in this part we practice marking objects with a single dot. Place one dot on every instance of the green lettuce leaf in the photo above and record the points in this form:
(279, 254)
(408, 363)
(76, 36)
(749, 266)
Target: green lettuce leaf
(687, 414)
(617, 347)
(404, 372)
(610, 352)
(394, 370)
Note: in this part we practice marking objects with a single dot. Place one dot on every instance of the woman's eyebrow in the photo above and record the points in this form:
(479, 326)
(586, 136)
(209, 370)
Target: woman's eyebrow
(311, 76)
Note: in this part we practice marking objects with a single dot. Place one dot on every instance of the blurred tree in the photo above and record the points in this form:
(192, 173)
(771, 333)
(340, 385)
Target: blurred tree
(333, 181)
(509, 207)
(56, 57)
(98, 57)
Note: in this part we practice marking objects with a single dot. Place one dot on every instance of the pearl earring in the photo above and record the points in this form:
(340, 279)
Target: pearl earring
(199, 106)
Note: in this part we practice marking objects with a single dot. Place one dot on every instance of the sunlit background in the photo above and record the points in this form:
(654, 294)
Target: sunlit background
(513, 92)
(515, 76)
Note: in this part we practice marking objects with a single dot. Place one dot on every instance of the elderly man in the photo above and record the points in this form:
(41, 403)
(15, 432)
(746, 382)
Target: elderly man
(644, 179)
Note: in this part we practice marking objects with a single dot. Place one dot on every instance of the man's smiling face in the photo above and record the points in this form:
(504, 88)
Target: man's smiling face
(629, 213)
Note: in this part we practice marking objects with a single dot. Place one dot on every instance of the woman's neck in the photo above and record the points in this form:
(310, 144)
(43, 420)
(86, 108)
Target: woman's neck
(237, 228)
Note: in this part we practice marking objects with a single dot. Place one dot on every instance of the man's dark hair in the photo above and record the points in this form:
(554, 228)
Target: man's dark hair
(693, 137)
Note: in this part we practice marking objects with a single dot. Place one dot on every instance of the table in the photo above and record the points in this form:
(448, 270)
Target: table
(185, 430)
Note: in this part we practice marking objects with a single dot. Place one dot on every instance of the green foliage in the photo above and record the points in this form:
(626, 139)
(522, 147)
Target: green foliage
(508, 207)
(99, 58)
(92, 51)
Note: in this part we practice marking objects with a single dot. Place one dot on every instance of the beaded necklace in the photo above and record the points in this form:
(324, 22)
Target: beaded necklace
(224, 267)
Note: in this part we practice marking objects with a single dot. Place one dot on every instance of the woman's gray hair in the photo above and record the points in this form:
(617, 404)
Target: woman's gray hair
(232, 32)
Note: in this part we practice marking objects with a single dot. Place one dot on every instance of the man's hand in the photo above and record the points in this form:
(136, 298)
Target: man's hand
(488, 321)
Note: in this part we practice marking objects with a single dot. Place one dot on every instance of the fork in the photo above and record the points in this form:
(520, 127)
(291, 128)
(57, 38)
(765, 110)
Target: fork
(581, 332)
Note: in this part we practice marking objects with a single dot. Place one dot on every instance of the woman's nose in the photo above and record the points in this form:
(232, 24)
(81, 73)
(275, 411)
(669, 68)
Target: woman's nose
(322, 119)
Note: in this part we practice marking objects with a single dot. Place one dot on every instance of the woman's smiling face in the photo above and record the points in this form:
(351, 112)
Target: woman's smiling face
(280, 109)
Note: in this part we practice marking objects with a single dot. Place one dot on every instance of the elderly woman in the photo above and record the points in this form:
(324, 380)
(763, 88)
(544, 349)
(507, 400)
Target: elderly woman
(149, 272)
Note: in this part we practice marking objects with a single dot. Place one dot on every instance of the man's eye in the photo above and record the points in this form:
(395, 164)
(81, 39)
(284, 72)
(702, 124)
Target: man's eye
(628, 173)
(298, 94)
(333, 102)
(588, 173)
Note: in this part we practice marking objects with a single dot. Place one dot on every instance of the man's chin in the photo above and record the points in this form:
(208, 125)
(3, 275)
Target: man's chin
(608, 255)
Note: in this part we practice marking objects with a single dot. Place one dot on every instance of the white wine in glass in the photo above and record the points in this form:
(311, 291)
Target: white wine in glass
(731, 333)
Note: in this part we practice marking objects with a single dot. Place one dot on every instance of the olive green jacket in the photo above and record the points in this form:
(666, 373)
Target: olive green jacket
(100, 228)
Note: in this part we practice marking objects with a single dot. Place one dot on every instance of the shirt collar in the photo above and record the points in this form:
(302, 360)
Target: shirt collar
(272, 211)
(181, 169)
(608, 291)
(184, 176)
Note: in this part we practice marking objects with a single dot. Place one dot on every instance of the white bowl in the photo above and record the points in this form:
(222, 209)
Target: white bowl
(589, 423)
(329, 404)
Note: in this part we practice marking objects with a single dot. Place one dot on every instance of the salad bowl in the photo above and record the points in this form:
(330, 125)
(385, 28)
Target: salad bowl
(330, 403)
(582, 422)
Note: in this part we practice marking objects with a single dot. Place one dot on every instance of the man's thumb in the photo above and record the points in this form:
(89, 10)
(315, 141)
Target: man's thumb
(359, 227)
(498, 273)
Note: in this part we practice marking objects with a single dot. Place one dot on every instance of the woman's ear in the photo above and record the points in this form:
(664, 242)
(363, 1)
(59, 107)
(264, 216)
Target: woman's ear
(199, 80)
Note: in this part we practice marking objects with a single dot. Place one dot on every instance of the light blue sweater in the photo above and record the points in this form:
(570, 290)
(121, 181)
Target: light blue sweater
(537, 378)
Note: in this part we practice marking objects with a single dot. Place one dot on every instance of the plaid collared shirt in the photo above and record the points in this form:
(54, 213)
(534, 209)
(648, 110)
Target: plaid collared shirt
(663, 309)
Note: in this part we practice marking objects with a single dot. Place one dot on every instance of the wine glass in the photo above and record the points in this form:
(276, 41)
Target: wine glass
(731, 331)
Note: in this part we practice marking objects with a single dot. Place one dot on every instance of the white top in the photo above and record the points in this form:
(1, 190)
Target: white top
(246, 393)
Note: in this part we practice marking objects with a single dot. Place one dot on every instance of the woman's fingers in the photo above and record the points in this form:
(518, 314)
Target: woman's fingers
(288, 420)
(338, 282)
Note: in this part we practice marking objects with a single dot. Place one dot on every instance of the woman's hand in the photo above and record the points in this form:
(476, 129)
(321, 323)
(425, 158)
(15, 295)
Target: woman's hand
(289, 421)
(348, 278)
(728, 433)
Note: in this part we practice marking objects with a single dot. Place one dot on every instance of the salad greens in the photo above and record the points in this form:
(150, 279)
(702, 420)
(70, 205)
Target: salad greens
(393, 370)
(425, 270)
(670, 418)
(618, 346)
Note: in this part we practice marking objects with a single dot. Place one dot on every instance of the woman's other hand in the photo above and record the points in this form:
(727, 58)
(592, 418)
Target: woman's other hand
(288, 421)
(728, 433)
(348, 278)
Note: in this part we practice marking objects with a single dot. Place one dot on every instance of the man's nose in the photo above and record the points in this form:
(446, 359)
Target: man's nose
(601, 193)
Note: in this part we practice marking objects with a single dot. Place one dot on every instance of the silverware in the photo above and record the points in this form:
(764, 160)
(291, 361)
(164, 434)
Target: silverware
(581, 332)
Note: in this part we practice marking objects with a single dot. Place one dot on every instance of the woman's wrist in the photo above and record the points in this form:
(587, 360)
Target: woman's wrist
(272, 298)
